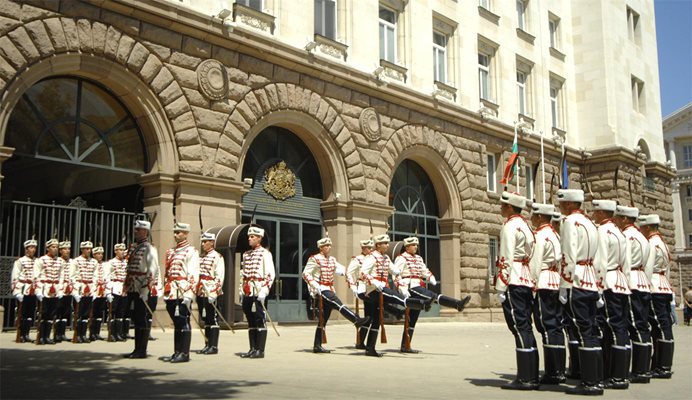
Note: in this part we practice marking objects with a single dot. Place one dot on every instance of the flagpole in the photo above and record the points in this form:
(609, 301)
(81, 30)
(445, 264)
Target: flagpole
(542, 168)
(518, 160)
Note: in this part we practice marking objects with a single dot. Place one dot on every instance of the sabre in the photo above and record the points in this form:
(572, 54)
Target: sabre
(192, 317)
(221, 316)
(153, 316)
(269, 318)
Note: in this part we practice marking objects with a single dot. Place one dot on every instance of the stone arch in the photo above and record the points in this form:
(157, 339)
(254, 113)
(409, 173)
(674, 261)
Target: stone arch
(436, 154)
(77, 46)
(309, 116)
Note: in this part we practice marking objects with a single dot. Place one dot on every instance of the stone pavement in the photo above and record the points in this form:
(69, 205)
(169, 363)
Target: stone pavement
(458, 359)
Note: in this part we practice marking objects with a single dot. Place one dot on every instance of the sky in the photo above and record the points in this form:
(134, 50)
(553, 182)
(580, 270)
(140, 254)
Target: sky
(674, 36)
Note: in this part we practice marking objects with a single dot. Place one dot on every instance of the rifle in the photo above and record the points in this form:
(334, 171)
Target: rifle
(91, 315)
(383, 337)
(75, 333)
(18, 321)
(407, 336)
(358, 341)
(110, 321)
(39, 332)
(321, 321)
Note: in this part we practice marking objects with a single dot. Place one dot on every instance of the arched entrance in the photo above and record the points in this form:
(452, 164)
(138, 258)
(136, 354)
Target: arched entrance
(285, 198)
(416, 213)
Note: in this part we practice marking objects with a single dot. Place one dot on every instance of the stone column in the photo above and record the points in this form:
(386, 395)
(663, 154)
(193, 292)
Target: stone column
(450, 249)
(5, 154)
(680, 242)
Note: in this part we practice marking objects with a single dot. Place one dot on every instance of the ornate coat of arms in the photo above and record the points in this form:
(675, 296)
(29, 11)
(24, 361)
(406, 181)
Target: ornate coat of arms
(280, 181)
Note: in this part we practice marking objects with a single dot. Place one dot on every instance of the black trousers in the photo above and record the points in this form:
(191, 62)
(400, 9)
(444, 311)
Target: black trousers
(582, 310)
(49, 307)
(612, 318)
(547, 316)
(64, 308)
(517, 309)
(139, 313)
(119, 306)
(254, 313)
(638, 317)
(660, 318)
(85, 307)
(98, 306)
(330, 302)
(207, 313)
(179, 313)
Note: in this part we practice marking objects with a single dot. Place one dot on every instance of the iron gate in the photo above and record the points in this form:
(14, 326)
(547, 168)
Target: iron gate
(77, 222)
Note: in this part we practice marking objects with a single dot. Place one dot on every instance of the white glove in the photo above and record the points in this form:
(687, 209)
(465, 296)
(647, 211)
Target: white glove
(59, 296)
(39, 297)
(600, 303)
(502, 296)
(432, 280)
(405, 292)
(20, 297)
(379, 285)
(262, 295)
(355, 291)
(212, 300)
(144, 297)
(563, 295)
(241, 296)
(77, 297)
(109, 297)
(315, 286)
(187, 302)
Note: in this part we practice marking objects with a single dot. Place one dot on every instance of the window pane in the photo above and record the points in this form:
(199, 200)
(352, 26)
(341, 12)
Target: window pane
(391, 48)
(484, 85)
(330, 19)
(383, 43)
(256, 4)
(490, 173)
(387, 15)
(319, 21)
(520, 14)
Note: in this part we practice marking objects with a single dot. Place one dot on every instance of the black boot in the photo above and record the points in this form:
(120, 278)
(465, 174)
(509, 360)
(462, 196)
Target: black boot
(185, 341)
(360, 322)
(447, 301)
(554, 359)
(574, 371)
(56, 331)
(83, 327)
(404, 348)
(25, 329)
(370, 345)
(141, 342)
(417, 304)
(206, 344)
(362, 336)
(45, 332)
(641, 360)
(112, 332)
(619, 368)
(252, 337)
(527, 371)
(126, 330)
(261, 343)
(213, 341)
(588, 360)
(664, 361)
(317, 343)
(177, 345)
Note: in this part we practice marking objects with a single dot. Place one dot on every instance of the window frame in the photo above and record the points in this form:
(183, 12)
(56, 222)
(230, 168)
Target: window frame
(440, 52)
(633, 25)
(491, 176)
(493, 249)
(324, 19)
(687, 156)
(638, 98)
(247, 3)
(554, 31)
(388, 25)
(487, 70)
(528, 176)
(522, 95)
(522, 20)
(558, 119)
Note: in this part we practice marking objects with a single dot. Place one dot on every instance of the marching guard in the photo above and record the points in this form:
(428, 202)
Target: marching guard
(82, 273)
(515, 288)
(319, 275)
(115, 296)
(210, 287)
(101, 282)
(612, 266)
(661, 295)
(638, 251)
(578, 241)
(358, 286)
(24, 284)
(256, 279)
(49, 271)
(142, 272)
(375, 274)
(547, 310)
(64, 307)
(182, 262)
(412, 282)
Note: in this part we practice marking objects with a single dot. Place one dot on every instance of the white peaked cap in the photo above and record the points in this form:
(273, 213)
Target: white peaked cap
(141, 224)
(384, 238)
(604, 205)
(624, 211)
(543, 209)
(367, 243)
(651, 219)
(181, 227)
(206, 236)
(557, 217)
(324, 242)
(410, 240)
(30, 242)
(255, 230)
(574, 195)
(513, 199)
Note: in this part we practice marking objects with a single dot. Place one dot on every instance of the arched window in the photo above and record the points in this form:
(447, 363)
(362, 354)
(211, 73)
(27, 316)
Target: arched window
(416, 211)
(76, 121)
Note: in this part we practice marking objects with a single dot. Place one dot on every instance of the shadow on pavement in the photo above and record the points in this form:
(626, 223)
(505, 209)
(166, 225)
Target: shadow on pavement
(506, 378)
(82, 374)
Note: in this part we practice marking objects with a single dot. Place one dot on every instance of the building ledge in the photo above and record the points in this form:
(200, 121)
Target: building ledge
(394, 71)
(444, 91)
(557, 54)
(527, 37)
(489, 15)
(331, 47)
(253, 18)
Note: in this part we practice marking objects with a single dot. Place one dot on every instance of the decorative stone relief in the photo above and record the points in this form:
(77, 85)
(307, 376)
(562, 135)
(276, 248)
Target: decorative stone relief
(370, 124)
(213, 79)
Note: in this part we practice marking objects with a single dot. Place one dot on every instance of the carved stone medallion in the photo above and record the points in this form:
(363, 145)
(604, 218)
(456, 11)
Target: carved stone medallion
(370, 124)
(213, 79)
(280, 181)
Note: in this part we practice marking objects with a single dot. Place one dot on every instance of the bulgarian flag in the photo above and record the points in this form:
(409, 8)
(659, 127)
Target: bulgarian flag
(512, 162)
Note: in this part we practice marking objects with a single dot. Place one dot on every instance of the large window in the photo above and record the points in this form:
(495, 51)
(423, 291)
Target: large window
(687, 156)
(325, 18)
(638, 103)
(440, 56)
(554, 31)
(556, 108)
(484, 77)
(633, 25)
(484, 3)
(388, 34)
(528, 175)
(493, 251)
(521, 14)
(491, 172)
(521, 92)
(256, 4)
(76, 121)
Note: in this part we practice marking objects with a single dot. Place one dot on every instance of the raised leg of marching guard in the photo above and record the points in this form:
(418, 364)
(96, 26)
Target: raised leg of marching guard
(257, 276)
(547, 309)
(24, 284)
(211, 277)
(660, 318)
(640, 299)
(182, 263)
(319, 275)
(515, 288)
(411, 283)
(578, 241)
(142, 274)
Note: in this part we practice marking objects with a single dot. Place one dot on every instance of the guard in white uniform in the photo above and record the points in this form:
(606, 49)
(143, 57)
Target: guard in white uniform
(257, 277)
(612, 267)
(547, 311)
(65, 303)
(49, 271)
(515, 285)
(579, 241)
(319, 274)
(211, 275)
(142, 273)
(99, 304)
(115, 295)
(660, 317)
(82, 271)
(24, 284)
(638, 251)
(412, 281)
(358, 286)
(182, 275)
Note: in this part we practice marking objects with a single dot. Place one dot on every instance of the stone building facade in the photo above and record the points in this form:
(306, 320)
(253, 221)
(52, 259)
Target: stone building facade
(202, 90)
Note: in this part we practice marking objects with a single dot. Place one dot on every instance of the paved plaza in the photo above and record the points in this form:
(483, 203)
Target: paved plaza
(458, 360)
